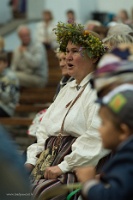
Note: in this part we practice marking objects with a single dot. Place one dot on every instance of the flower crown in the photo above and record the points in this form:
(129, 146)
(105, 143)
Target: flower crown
(89, 41)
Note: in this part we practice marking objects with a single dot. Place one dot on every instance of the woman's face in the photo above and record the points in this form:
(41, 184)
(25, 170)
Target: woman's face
(62, 64)
(78, 65)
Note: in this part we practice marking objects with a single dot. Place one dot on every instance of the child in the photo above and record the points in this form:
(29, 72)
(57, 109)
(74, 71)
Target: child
(9, 88)
(115, 181)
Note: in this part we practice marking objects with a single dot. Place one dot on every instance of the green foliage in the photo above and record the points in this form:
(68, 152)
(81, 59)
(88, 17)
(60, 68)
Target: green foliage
(75, 33)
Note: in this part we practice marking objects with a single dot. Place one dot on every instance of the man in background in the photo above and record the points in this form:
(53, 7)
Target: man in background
(30, 61)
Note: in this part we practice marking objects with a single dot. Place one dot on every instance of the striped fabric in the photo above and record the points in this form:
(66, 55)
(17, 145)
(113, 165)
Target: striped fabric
(40, 187)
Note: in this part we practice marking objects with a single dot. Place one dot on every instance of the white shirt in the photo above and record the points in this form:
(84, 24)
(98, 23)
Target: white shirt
(82, 122)
(45, 33)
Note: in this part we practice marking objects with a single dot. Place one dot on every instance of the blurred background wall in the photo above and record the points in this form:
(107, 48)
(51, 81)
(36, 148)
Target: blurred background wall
(84, 9)
(5, 11)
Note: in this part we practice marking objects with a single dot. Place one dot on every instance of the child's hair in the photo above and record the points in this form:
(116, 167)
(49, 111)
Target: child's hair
(113, 118)
(3, 57)
(120, 102)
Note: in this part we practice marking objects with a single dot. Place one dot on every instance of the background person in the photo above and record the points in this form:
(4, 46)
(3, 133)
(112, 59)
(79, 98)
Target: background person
(44, 31)
(70, 14)
(30, 61)
(9, 88)
(113, 69)
(115, 36)
(123, 17)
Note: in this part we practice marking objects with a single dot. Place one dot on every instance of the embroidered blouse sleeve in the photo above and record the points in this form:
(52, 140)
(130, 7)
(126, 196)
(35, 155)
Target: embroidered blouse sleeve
(87, 149)
(41, 134)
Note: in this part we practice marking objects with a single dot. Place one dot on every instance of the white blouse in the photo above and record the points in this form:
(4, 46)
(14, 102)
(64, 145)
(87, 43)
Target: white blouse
(45, 33)
(82, 122)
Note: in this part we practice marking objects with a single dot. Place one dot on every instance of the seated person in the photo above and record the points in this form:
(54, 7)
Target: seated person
(9, 88)
(44, 31)
(30, 61)
(120, 33)
(64, 71)
(123, 17)
(70, 124)
(64, 80)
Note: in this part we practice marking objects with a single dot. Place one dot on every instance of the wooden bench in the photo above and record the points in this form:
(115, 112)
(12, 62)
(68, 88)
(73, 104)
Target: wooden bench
(52, 59)
(16, 121)
(36, 97)
(33, 99)
(26, 108)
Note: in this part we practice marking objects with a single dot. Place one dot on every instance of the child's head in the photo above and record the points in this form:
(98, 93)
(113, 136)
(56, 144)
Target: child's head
(3, 61)
(116, 114)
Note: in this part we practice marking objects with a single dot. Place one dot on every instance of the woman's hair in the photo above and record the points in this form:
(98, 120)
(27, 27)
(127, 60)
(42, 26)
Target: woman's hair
(120, 33)
(123, 14)
(2, 43)
(70, 12)
(21, 27)
(89, 42)
(48, 12)
(118, 39)
(58, 52)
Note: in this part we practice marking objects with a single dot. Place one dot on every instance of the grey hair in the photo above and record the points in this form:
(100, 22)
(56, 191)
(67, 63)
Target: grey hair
(23, 26)
(120, 33)
(116, 39)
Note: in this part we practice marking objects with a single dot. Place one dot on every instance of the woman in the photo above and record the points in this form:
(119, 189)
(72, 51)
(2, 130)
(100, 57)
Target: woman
(44, 33)
(64, 80)
(64, 71)
(115, 36)
(71, 121)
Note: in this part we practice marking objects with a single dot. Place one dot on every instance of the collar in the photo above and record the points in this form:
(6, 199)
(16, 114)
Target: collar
(123, 144)
(83, 82)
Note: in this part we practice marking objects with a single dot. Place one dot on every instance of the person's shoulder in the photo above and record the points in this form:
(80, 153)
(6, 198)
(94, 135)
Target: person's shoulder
(16, 50)
(40, 24)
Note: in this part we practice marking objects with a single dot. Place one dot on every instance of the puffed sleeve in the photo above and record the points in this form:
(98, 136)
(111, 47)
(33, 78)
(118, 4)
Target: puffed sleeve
(41, 134)
(87, 149)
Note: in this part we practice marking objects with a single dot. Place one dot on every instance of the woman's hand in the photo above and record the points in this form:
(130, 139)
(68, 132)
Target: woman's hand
(85, 173)
(52, 172)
